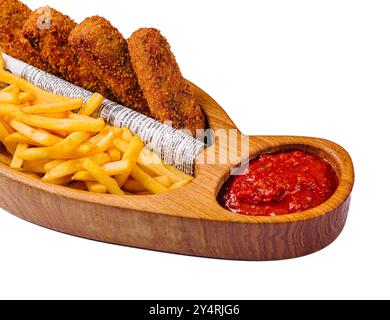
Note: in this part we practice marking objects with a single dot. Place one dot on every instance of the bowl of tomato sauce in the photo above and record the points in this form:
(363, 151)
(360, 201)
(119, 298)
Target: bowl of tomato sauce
(280, 183)
(291, 197)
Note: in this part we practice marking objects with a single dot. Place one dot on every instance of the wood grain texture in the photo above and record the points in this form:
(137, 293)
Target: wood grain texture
(189, 220)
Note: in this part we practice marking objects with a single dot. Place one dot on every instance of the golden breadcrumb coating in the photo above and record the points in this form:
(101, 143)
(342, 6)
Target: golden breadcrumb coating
(106, 51)
(168, 94)
(13, 15)
(51, 41)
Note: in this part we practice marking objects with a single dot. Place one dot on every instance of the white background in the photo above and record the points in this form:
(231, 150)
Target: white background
(314, 68)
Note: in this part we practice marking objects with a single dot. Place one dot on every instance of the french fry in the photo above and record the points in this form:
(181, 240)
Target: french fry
(74, 149)
(2, 62)
(9, 97)
(92, 104)
(148, 171)
(179, 174)
(120, 145)
(52, 164)
(82, 150)
(57, 115)
(164, 180)
(61, 181)
(147, 181)
(72, 166)
(136, 144)
(156, 165)
(26, 96)
(103, 144)
(38, 135)
(35, 166)
(90, 144)
(62, 134)
(8, 110)
(60, 150)
(17, 137)
(111, 168)
(117, 167)
(7, 126)
(117, 132)
(114, 154)
(24, 85)
(5, 159)
(126, 135)
(96, 138)
(54, 107)
(102, 177)
(11, 88)
(95, 187)
(83, 176)
(84, 125)
(131, 154)
(76, 116)
(17, 162)
(135, 186)
(4, 133)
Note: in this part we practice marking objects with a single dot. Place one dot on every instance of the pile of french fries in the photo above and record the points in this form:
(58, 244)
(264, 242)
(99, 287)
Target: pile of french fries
(57, 140)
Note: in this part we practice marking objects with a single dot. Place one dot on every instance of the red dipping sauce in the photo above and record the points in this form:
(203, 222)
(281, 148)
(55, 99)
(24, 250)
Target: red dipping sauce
(280, 183)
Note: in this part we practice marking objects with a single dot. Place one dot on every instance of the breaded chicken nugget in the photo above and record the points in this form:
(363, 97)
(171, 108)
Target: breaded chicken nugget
(50, 38)
(106, 51)
(13, 15)
(168, 94)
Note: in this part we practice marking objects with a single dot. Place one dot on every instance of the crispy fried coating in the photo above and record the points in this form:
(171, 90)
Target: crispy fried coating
(48, 30)
(13, 15)
(168, 94)
(106, 51)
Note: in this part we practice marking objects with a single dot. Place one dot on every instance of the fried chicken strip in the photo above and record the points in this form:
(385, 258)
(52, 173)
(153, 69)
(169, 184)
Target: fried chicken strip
(13, 15)
(106, 51)
(48, 30)
(168, 94)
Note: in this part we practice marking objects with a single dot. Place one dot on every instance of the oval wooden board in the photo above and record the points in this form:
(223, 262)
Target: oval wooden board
(189, 220)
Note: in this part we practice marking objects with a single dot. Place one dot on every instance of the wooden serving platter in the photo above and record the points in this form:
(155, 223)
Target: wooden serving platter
(189, 220)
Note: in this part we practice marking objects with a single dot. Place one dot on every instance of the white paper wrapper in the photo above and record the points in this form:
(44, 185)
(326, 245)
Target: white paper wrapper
(173, 146)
